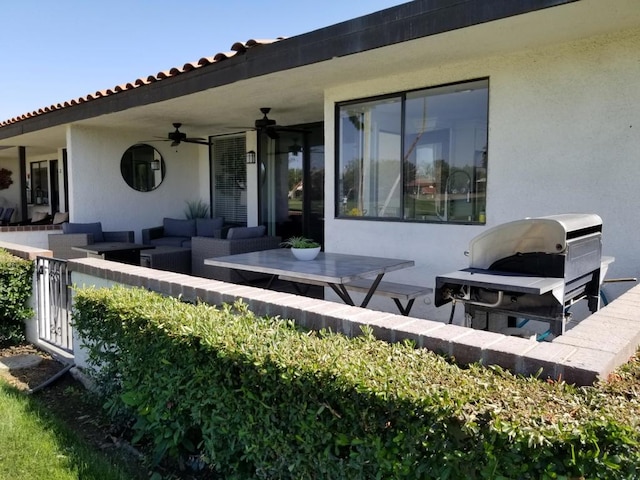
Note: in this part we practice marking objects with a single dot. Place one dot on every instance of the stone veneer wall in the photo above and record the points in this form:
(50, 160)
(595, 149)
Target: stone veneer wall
(25, 251)
(33, 235)
(29, 228)
(590, 350)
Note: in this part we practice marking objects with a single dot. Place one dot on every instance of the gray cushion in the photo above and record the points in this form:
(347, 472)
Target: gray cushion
(38, 216)
(60, 217)
(237, 233)
(174, 227)
(169, 241)
(207, 227)
(93, 228)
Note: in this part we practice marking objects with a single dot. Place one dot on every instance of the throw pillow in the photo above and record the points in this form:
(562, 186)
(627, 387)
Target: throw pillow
(237, 233)
(207, 227)
(93, 228)
(38, 216)
(174, 227)
(60, 217)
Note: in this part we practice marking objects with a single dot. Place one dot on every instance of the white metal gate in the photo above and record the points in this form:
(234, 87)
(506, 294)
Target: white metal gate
(54, 302)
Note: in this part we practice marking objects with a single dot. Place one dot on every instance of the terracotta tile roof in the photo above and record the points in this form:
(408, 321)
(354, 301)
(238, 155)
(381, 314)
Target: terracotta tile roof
(237, 48)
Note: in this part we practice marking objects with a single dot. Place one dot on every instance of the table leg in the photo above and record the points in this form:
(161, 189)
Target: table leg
(271, 280)
(342, 292)
(246, 281)
(372, 290)
(404, 310)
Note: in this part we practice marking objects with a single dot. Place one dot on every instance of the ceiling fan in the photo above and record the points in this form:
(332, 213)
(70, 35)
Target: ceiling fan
(265, 121)
(177, 137)
(269, 126)
(264, 124)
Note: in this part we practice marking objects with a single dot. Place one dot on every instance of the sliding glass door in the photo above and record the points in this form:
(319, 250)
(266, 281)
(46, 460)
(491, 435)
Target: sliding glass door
(292, 181)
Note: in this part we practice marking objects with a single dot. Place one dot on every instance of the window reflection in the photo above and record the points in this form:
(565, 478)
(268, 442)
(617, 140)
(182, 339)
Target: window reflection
(142, 167)
(419, 156)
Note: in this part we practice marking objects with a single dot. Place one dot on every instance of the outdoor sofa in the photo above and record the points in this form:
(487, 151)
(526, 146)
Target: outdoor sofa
(177, 232)
(81, 234)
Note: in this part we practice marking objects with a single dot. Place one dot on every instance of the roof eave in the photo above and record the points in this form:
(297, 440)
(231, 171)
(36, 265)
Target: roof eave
(409, 21)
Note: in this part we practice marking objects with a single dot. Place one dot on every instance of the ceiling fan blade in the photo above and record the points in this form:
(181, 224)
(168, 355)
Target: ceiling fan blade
(240, 127)
(200, 141)
(153, 140)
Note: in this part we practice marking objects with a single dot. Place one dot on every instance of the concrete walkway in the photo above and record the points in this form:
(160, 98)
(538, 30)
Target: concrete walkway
(18, 362)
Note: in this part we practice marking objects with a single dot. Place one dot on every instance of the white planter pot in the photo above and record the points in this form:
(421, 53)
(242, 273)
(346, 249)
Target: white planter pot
(305, 253)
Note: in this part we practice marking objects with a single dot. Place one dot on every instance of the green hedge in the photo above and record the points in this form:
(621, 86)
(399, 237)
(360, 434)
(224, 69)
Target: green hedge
(16, 283)
(260, 398)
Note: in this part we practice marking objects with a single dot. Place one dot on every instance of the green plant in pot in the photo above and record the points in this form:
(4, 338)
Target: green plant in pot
(302, 248)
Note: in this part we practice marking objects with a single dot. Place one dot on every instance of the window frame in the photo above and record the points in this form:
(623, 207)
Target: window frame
(228, 178)
(339, 212)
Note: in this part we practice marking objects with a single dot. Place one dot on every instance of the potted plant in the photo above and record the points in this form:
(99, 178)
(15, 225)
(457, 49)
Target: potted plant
(196, 209)
(303, 248)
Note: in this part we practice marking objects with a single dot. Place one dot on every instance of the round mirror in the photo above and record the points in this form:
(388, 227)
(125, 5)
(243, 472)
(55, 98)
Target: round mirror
(142, 167)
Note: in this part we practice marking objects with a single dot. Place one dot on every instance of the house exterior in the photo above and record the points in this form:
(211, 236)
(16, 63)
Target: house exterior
(404, 134)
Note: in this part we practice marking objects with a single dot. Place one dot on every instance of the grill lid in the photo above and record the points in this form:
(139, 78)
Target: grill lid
(542, 235)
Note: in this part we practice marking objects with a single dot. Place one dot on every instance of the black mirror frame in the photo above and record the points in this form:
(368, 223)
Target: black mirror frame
(141, 173)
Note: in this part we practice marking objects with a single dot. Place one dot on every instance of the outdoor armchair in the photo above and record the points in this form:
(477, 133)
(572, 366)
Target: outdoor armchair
(239, 240)
(81, 234)
(5, 218)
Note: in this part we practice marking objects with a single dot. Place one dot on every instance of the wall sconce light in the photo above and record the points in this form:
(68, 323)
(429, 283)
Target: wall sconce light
(155, 165)
(251, 157)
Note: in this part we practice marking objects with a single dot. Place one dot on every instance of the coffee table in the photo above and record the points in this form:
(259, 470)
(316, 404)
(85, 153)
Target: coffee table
(122, 252)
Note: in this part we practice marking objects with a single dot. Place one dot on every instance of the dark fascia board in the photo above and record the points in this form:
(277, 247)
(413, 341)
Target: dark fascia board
(409, 21)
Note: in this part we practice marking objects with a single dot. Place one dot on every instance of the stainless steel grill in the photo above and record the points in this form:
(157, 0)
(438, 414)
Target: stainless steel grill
(533, 268)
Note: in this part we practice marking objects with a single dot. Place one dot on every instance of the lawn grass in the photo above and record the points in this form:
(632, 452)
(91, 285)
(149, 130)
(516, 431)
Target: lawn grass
(35, 446)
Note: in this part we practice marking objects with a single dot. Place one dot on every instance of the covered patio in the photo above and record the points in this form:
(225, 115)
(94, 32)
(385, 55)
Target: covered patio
(589, 351)
(534, 64)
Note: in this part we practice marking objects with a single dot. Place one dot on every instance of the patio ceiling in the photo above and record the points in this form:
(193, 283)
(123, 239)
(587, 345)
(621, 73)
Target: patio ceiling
(222, 97)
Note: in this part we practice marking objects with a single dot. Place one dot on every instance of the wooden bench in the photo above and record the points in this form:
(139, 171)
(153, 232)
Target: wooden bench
(397, 291)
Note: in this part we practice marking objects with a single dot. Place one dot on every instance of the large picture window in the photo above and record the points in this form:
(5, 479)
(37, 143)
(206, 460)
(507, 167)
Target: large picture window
(415, 156)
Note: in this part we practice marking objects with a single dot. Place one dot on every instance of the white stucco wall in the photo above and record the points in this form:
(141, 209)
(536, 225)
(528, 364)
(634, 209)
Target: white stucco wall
(97, 191)
(564, 137)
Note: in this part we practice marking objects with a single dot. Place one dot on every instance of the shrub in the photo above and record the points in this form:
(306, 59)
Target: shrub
(260, 398)
(16, 283)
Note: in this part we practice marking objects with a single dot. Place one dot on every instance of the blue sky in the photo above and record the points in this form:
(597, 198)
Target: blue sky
(53, 51)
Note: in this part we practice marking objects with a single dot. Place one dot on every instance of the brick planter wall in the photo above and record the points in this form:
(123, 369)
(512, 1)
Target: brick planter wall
(590, 350)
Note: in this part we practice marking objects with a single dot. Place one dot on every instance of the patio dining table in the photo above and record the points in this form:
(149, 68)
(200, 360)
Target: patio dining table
(332, 269)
